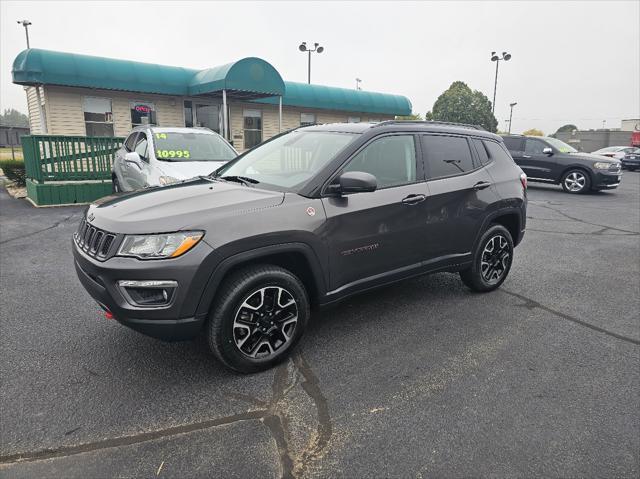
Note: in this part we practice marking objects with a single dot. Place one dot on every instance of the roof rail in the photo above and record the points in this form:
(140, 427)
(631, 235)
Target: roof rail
(429, 122)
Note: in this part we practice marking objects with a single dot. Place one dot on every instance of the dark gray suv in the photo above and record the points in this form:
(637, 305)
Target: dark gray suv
(303, 220)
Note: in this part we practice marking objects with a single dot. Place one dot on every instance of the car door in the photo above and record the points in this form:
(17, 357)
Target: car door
(118, 161)
(460, 190)
(137, 174)
(376, 234)
(535, 163)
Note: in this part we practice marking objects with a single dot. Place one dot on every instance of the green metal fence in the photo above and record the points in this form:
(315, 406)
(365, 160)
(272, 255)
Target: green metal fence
(68, 169)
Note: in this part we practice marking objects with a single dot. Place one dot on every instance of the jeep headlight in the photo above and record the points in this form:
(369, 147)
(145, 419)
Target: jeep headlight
(601, 165)
(167, 180)
(167, 245)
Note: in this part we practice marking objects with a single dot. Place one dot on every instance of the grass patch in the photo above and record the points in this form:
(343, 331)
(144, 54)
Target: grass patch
(5, 153)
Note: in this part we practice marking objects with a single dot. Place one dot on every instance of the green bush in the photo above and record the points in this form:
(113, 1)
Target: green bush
(14, 170)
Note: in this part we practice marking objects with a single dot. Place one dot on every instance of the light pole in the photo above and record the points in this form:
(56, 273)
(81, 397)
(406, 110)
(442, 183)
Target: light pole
(511, 114)
(25, 24)
(495, 58)
(316, 48)
(358, 81)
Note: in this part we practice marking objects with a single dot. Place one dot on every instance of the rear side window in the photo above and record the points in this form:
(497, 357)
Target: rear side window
(513, 143)
(129, 143)
(496, 152)
(482, 151)
(447, 155)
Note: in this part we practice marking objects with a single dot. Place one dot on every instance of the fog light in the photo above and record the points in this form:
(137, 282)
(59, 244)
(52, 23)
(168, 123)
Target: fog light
(149, 292)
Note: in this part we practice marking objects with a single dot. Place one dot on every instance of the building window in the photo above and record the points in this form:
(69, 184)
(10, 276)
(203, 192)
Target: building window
(307, 119)
(142, 113)
(98, 116)
(374, 120)
(188, 113)
(354, 119)
(252, 128)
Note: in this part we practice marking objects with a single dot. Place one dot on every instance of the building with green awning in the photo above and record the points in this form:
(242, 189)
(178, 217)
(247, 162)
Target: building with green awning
(247, 101)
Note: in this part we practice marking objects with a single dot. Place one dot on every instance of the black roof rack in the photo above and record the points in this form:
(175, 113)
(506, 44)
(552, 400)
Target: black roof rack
(423, 122)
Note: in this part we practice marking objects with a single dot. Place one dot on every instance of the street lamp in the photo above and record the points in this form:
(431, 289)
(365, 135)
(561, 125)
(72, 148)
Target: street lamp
(25, 24)
(316, 48)
(511, 114)
(495, 58)
(358, 81)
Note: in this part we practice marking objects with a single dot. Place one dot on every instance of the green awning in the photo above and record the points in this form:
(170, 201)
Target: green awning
(341, 99)
(248, 79)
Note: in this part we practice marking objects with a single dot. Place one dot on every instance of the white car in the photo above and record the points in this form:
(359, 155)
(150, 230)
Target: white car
(154, 156)
(616, 152)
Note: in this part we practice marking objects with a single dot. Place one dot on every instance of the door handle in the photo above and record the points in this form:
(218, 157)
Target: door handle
(526, 157)
(413, 199)
(481, 185)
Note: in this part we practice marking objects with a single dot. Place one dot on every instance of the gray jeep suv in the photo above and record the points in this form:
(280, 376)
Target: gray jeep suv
(303, 220)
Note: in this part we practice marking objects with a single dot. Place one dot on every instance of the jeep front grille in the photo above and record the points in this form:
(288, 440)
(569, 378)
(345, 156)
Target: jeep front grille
(95, 242)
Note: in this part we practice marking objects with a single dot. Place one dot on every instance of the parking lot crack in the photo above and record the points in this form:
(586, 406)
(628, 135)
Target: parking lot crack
(579, 220)
(33, 233)
(533, 304)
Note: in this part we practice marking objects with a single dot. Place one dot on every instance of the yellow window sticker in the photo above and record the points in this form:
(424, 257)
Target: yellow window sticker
(161, 136)
(173, 154)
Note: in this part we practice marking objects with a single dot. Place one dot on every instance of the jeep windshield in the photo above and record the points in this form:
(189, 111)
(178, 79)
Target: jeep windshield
(561, 146)
(187, 146)
(289, 161)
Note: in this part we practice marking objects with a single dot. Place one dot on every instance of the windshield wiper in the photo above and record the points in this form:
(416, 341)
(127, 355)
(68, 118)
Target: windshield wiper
(245, 180)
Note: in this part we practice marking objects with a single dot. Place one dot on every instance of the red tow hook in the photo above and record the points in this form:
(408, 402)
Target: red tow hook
(108, 315)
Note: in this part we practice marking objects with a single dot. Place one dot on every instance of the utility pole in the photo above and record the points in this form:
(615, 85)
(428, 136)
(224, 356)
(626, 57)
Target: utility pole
(495, 58)
(511, 114)
(304, 48)
(358, 81)
(25, 24)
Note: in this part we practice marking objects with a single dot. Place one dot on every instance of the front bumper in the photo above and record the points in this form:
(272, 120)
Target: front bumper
(173, 322)
(603, 180)
(628, 163)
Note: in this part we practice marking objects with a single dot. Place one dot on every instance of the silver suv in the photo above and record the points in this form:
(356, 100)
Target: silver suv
(154, 156)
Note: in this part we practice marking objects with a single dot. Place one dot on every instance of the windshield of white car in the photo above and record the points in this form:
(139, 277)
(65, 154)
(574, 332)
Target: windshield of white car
(187, 146)
(561, 146)
(288, 161)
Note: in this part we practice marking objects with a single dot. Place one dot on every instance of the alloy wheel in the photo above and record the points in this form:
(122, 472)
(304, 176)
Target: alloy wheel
(495, 258)
(265, 322)
(575, 181)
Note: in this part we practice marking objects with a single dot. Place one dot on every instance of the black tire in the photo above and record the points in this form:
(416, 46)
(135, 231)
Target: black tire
(233, 302)
(115, 185)
(475, 277)
(576, 181)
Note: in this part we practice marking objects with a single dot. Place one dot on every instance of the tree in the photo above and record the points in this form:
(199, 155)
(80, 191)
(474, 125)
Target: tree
(533, 132)
(569, 128)
(460, 104)
(409, 117)
(13, 117)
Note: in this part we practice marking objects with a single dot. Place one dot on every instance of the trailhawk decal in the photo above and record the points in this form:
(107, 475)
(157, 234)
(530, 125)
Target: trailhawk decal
(360, 249)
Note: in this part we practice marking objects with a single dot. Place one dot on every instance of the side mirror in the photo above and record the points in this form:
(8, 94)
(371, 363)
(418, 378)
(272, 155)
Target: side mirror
(134, 158)
(357, 182)
(547, 151)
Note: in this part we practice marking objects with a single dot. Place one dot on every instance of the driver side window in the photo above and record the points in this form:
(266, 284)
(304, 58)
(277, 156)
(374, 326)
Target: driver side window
(534, 147)
(141, 146)
(391, 159)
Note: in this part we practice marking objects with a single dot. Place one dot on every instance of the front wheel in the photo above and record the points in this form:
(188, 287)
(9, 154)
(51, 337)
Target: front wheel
(491, 261)
(259, 316)
(576, 181)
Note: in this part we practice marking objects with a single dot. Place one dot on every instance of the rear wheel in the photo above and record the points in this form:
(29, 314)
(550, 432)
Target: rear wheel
(259, 316)
(576, 181)
(491, 261)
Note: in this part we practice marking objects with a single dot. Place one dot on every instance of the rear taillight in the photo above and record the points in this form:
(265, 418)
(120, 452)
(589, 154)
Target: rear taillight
(523, 181)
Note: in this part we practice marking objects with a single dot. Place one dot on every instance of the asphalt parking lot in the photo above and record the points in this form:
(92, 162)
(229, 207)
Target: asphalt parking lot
(421, 379)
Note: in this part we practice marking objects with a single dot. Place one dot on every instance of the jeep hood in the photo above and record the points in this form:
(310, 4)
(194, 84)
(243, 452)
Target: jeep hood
(188, 205)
